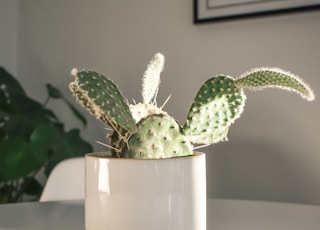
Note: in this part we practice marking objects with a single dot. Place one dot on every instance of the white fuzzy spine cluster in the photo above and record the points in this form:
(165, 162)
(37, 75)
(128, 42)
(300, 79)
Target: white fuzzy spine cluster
(151, 78)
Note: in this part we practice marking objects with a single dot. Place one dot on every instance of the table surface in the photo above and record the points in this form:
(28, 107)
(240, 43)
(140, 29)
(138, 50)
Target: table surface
(221, 215)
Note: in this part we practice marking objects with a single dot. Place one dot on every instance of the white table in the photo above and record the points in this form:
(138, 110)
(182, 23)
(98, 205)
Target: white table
(221, 215)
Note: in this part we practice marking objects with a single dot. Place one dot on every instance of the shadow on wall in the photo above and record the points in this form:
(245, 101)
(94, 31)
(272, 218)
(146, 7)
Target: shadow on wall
(254, 171)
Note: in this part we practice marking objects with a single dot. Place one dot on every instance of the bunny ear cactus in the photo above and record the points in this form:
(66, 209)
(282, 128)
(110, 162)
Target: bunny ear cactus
(216, 106)
(261, 78)
(145, 131)
(103, 99)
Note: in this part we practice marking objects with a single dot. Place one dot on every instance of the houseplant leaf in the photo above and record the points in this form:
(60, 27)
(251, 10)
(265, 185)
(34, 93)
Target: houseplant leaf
(20, 117)
(17, 159)
(31, 186)
(10, 83)
(53, 142)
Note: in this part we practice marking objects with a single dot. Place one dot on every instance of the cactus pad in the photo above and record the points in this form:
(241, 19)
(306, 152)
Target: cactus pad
(103, 99)
(158, 136)
(261, 78)
(216, 106)
(119, 138)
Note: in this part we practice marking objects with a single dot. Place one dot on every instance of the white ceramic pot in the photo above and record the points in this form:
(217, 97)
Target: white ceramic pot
(131, 194)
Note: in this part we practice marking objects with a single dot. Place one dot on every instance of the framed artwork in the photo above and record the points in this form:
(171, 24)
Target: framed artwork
(215, 10)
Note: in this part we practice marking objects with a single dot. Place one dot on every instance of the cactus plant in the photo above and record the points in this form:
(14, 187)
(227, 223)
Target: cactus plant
(146, 131)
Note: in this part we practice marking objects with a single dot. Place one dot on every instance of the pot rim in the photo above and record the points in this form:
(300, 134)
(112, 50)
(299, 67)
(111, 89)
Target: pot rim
(108, 155)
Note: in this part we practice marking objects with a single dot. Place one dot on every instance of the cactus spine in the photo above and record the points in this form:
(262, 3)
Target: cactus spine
(145, 131)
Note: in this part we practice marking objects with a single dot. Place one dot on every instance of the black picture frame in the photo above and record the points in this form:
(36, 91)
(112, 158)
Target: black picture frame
(217, 10)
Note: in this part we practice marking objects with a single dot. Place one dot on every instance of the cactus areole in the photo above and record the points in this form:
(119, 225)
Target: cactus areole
(145, 131)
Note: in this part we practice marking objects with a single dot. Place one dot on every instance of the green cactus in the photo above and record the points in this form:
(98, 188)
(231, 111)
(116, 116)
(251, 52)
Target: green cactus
(258, 79)
(216, 106)
(158, 136)
(103, 99)
(145, 131)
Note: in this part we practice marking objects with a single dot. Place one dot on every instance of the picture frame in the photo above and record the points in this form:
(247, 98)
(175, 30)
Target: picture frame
(217, 10)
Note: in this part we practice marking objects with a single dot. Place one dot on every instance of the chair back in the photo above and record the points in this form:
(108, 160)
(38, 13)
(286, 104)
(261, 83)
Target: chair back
(66, 181)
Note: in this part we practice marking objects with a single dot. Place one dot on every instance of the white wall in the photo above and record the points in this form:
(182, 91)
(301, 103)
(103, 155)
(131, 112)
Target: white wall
(9, 34)
(273, 152)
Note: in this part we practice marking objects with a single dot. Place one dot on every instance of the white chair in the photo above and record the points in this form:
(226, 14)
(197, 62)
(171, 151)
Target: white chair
(66, 181)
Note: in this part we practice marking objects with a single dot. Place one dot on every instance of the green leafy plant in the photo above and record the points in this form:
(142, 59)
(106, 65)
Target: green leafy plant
(145, 131)
(32, 138)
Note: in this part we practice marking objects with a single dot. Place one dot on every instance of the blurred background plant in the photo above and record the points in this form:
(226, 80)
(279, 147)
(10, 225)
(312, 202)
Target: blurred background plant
(32, 140)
